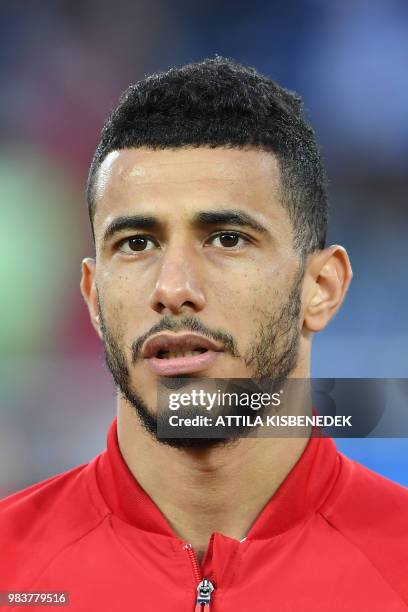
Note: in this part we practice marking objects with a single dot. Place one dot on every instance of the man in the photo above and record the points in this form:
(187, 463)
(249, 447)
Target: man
(208, 207)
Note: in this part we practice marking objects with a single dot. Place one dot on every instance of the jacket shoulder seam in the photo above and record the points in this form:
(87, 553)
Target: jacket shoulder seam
(66, 547)
(354, 545)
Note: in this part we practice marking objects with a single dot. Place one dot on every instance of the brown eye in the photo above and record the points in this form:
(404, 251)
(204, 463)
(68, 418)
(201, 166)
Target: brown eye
(228, 240)
(136, 244)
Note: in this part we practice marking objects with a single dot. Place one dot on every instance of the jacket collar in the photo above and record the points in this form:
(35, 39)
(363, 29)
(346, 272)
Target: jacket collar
(301, 494)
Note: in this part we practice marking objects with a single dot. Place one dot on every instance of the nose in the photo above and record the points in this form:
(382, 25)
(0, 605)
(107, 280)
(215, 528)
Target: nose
(178, 287)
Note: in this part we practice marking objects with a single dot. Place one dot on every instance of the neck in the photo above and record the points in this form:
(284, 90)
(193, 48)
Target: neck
(201, 491)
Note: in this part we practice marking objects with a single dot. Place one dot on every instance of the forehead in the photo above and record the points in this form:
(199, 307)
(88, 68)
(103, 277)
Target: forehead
(174, 182)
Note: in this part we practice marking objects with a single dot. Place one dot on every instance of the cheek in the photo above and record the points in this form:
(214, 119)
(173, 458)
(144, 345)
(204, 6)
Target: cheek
(120, 293)
(126, 311)
(240, 309)
(251, 291)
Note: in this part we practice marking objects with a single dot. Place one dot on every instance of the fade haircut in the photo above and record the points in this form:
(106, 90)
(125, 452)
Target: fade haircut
(219, 103)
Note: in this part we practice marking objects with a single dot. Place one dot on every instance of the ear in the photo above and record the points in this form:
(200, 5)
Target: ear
(328, 276)
(89, 292)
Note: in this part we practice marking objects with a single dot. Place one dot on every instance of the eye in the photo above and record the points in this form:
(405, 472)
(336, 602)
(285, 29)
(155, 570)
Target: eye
(228, 240)
(136, 244)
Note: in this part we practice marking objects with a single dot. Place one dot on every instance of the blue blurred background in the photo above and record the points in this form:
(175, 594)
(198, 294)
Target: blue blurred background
(63, 65)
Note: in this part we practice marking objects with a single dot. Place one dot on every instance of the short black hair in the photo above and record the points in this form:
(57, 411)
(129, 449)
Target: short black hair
(219, 103)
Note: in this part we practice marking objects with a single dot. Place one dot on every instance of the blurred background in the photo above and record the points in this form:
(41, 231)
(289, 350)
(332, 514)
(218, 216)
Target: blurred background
(63, 65)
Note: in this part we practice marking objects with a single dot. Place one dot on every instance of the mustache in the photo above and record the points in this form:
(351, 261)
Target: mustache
(186, 323)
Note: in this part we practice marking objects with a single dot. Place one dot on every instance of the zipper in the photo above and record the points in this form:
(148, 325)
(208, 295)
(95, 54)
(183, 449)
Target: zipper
(204, 586)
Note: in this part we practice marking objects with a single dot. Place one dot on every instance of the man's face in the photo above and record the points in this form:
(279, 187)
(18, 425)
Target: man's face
(194, 241)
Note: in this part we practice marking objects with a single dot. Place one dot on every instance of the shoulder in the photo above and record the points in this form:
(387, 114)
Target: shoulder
(39, 521)
(363, 495)
(40, 501)
(371, 513)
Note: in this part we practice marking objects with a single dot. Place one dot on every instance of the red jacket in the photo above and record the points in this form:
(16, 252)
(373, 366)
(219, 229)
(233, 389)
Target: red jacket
(333, 538)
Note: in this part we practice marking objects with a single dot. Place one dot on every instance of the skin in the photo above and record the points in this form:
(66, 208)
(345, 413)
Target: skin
(186, 270)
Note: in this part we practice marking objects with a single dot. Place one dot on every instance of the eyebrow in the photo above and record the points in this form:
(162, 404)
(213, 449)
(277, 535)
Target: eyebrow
(203, 218)
(229, 217)
(136, 222)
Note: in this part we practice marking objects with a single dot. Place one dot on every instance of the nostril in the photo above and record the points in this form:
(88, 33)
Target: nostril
(175, 308)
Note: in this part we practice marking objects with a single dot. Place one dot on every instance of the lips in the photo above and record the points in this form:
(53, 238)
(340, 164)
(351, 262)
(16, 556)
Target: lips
(171, 354)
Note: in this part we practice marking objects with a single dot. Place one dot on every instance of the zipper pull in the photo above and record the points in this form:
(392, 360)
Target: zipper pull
(204, 591)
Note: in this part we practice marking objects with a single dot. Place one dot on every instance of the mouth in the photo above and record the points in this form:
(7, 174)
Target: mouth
(168, 354)
(171, 355)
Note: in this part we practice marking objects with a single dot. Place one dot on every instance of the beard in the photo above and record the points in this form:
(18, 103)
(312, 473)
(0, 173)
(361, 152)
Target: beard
(272, 355)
